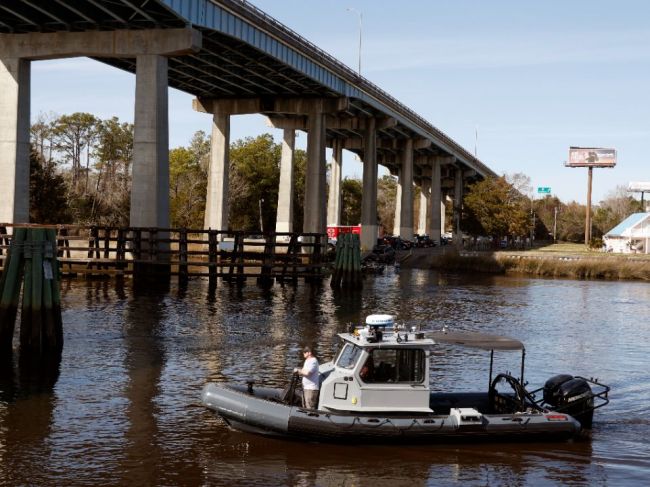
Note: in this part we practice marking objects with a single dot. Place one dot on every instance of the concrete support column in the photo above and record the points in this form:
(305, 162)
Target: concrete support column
(334, 200)
(14, 139)
(406, 218)
(425, 199)
(315, 175)
(398, 204)
(216, 203)
(369, 198)
(150, 188)
(436, 204)
(458, 206)
(284, 218)
(443, 213)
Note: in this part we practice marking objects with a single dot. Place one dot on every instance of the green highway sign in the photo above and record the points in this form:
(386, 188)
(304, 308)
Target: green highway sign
(544, 190)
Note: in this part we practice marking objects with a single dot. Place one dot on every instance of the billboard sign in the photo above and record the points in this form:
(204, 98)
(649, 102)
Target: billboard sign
(639, 187)
(591, 157)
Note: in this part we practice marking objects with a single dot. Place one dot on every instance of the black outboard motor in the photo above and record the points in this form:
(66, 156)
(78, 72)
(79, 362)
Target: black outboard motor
(571, 395)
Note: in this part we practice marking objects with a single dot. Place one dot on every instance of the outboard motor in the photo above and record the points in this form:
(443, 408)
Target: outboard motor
(571, 395)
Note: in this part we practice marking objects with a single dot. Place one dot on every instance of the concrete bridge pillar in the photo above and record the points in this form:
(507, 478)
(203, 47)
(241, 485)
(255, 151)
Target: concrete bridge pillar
(315, 175)
(216, 203)
(14, 139)
(150, 186)
(458, 206)
(284, 218)
(436, 205)
(150, 190)
(398, 203)
(406, 216)
(334, 199)
(369, 198)
(425, 198)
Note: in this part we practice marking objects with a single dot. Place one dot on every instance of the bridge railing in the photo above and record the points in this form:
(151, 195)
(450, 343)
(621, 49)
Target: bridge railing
(346, 72)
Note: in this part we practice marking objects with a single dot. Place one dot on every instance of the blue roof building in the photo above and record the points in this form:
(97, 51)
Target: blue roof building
(632, 235)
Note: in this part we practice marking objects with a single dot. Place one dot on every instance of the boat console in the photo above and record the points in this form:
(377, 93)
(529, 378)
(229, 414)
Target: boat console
(380, 368)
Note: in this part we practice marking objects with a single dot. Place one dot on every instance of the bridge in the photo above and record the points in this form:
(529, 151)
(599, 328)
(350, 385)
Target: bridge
(234, 59)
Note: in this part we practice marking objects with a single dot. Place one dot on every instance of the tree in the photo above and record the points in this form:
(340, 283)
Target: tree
(188, 184)
(47, 195)
(494, 207)
(112, 180)
(386, 194)
(254, 177)
(42, 136)
(571, 222)
(74, 134)
(617, 205)
(351, 195)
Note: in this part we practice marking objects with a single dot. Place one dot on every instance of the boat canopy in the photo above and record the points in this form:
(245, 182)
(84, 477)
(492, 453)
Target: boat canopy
(476, 340)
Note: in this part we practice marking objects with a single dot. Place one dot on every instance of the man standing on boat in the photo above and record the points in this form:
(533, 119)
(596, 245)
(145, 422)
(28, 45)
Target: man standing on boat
(310, 379)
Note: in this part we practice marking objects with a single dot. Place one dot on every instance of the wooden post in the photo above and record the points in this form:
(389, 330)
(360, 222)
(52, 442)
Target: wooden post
(212, 257)
(120, 251)
(41, 328)
(182, 256)
(267, 260)
(10, 285)
(588, 216)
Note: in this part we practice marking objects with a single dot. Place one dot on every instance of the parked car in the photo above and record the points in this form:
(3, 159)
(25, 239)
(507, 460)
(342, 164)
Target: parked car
(423, 241)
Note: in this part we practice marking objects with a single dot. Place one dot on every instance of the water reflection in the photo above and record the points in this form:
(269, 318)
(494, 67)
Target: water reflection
(27, 403)
(123, 406)
(143, 365)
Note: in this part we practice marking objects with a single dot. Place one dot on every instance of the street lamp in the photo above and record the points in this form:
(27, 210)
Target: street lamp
(352, 9)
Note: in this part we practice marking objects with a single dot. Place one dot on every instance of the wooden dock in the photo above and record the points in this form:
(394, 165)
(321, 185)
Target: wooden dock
(98, 251)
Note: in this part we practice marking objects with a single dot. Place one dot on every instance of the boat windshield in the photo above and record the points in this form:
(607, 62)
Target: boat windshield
(348, 356)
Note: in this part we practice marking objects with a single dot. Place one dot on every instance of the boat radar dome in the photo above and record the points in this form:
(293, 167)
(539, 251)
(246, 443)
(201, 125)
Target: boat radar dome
(380, 320)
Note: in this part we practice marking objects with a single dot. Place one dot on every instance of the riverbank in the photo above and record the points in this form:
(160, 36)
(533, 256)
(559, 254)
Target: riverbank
(560, 261)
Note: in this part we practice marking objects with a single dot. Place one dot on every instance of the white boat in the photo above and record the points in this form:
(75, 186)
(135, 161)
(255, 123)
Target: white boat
(378, 387)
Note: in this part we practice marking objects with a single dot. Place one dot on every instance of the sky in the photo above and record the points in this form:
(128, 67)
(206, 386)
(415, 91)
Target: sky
(516, 82)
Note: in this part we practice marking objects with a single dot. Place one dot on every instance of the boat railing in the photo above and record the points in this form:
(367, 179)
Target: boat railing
(600, 396)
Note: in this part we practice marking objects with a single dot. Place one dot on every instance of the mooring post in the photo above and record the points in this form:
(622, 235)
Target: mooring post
(212, 258)
(10, 290)
(32, 254)
(182, 255)
(268, 258)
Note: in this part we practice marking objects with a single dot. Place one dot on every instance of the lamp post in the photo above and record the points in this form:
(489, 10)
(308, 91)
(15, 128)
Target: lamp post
(352, 9)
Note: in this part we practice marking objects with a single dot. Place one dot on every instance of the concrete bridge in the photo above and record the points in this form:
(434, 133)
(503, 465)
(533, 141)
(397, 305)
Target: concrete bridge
(234, 59)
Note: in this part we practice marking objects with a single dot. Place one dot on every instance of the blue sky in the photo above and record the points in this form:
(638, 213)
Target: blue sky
(532, 78)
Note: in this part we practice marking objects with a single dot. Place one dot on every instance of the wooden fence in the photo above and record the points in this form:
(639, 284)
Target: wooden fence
(105, 251)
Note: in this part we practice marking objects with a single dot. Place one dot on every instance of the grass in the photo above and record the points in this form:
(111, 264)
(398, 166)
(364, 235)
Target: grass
(583, 265)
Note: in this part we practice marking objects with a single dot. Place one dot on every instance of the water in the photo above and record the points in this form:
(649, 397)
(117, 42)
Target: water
(122, 407)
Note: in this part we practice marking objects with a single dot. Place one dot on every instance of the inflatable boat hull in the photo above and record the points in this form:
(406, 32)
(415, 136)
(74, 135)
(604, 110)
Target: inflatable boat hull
(261, 411)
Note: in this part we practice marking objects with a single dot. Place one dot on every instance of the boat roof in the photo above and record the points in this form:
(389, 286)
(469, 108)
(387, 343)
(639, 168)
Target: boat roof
(429, 339)
(483, 341)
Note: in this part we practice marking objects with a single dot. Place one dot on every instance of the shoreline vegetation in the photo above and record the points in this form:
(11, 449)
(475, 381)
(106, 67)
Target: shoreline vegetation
(553, 261)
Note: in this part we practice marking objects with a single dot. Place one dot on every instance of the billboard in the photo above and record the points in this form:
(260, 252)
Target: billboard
(591, 157)
(638, 187)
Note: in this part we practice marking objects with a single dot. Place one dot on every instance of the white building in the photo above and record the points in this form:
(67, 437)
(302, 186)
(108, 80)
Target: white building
(631, 236)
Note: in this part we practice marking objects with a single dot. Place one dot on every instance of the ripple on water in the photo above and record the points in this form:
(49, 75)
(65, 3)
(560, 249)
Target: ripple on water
(123, 407)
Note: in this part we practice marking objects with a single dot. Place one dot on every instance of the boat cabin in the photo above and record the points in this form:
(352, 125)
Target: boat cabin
(380, 368)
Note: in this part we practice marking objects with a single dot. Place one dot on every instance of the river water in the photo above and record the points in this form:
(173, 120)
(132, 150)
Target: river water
(123, 405)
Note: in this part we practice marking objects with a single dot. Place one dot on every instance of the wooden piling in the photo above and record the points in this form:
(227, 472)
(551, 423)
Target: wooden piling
(10, 285)
(347, 268)
(33, 262)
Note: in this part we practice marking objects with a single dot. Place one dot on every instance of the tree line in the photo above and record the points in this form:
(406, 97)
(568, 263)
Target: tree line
(80, 169)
